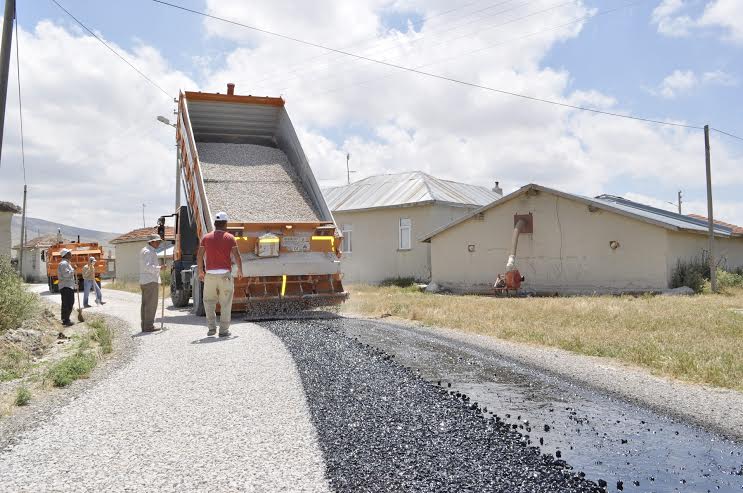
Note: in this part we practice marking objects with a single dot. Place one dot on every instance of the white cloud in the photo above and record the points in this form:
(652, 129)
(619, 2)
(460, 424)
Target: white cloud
(684, 81)
(94, 151)
(673, 18)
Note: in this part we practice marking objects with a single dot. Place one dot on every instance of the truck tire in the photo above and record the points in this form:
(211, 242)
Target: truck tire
(198, 301)
(179, 297)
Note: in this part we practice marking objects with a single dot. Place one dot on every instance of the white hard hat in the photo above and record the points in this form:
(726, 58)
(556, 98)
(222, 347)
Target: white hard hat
(91, 259)
(153, 237)
(64, 252)
(221, 216)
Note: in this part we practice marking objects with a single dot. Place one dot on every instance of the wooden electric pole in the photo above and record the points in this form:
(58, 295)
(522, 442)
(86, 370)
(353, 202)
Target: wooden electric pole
(710, 215)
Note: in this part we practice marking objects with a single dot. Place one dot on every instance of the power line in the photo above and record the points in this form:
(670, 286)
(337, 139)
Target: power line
(111, 49)
(20, 103)
(420, 72)
(725, 133)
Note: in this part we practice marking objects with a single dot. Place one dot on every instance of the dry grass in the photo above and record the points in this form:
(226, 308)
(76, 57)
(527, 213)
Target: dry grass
(697, 339)
(130, 287)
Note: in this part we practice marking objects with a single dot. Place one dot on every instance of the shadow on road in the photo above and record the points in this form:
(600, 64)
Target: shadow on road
(210, 339)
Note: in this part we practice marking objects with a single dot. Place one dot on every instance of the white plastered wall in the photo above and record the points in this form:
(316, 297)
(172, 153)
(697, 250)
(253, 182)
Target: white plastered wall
(568, 252)
(127, 260)
(376, 256)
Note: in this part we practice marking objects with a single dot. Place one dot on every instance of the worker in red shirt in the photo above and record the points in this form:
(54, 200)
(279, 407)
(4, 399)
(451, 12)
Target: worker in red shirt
(217, 251)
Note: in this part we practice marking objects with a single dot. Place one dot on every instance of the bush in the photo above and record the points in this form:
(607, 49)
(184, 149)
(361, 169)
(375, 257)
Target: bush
(691, 273)
(79, 365)
(101, 334)
(22, 396)
(16, 303)
(727, 279)
(400, 282)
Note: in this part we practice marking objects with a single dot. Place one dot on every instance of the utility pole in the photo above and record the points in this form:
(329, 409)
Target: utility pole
(144, 225)
(348, 170)
(679, 201)
(9, 17)
(23, 233)
(710, 215)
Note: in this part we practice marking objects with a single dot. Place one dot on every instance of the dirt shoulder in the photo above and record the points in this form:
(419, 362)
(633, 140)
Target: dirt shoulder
(46, 398)
(715, 409)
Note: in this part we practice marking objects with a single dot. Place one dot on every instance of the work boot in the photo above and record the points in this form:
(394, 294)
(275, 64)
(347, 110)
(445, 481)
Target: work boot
(212, 331)
(151, 329)
(68, 323)
(226, 333)
(87, 306)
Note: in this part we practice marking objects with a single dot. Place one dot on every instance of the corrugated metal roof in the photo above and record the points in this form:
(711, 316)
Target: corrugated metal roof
(673, 219)
(619, 205)
(400, 189)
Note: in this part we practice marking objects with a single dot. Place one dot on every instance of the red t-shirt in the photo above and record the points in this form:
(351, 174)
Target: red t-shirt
(218, 246)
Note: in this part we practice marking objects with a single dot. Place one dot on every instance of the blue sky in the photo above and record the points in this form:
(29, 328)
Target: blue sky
(621, 55)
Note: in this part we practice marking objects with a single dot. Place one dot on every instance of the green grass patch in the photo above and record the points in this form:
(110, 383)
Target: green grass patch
(22, 396)
(13, 362)
(102, 334)
(72, 368)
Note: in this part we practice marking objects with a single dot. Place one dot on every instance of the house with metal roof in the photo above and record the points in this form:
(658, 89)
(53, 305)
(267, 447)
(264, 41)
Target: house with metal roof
(382, 218)
(573, 244)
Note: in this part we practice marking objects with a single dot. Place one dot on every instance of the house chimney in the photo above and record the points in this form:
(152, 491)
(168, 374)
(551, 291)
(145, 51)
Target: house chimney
(497, 189)
(230, 89)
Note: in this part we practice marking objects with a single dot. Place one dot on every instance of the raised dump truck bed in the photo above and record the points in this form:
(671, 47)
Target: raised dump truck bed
(241, 155)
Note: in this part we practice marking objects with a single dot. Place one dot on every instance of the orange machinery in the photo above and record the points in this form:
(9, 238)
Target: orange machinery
(81, 252)
(290, 264)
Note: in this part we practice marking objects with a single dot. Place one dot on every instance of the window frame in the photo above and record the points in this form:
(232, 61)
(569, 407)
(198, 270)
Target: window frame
(347, 231)
(409, 229)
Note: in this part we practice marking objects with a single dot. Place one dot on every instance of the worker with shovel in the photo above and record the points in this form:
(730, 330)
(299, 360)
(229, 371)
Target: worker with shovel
(67, 285)
(149, 281)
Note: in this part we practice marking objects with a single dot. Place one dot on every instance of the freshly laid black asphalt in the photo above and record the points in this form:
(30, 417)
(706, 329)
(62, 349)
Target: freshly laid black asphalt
(383, 428)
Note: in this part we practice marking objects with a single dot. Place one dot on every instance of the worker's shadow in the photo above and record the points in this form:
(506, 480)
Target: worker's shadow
(211, 339)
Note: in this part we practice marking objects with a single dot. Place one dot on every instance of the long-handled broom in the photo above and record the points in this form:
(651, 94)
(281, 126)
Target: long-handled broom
(79, 308)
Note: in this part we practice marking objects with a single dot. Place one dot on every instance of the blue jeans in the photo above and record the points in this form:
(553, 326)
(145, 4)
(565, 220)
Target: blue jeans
(86, 289)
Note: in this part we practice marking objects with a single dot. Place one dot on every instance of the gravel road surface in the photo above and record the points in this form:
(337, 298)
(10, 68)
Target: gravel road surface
(188, 413)
(382, 428)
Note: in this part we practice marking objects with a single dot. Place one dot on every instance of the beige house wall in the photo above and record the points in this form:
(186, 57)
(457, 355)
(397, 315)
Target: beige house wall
(5, 241)
(568, 252)
(686, 246)
(376, 255)
(127, 260)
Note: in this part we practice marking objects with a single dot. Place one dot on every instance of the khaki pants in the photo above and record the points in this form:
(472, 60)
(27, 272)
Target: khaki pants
(218, 288)
(148, 310)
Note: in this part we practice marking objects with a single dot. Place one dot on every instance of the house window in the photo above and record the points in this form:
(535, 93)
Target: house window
(347, 230)
(405, 227)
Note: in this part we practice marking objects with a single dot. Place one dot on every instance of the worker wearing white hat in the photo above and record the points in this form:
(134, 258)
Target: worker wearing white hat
(67, 285)
(90, 282)
(217, 252)
(149, 281)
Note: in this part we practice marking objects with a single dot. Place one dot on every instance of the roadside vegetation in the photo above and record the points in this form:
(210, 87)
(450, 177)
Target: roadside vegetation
(33, 357)
(694, 338)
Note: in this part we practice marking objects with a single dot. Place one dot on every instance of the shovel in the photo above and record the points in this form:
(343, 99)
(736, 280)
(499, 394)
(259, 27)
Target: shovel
(79, 308)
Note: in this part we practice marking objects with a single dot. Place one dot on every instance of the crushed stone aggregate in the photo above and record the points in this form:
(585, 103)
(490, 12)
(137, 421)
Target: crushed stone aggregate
(263, 179)
(382, 428)
(185, 413)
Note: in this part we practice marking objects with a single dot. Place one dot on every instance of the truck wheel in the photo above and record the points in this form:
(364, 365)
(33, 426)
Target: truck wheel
(180, 297)
(198, 301)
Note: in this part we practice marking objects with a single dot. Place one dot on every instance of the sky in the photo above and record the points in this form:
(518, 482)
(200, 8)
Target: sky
(95, 153)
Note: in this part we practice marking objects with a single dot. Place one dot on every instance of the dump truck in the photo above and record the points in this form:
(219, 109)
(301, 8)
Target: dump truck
(81, 253)
(241, 155)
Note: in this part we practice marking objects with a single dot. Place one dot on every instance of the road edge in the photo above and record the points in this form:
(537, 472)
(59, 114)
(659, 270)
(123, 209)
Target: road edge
(713, 409)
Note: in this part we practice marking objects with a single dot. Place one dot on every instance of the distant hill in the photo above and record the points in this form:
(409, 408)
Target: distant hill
(39, 227)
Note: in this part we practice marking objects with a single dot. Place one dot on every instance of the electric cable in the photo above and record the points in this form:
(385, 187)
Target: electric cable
(725, 133)
(423, 73)
(111, 49)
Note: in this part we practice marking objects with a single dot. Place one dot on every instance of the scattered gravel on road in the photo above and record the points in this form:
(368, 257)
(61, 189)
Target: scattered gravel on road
(263, 179)
(382, 428)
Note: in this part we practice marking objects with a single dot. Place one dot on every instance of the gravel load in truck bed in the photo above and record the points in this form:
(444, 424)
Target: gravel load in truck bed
(253, 183)
(383, 428)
